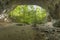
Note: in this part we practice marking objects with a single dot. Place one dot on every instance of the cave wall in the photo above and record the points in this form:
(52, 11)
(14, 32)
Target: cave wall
(13, 32)
(52, 6)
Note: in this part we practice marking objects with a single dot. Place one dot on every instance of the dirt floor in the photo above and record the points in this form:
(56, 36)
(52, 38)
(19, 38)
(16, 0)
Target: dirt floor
(11, 31)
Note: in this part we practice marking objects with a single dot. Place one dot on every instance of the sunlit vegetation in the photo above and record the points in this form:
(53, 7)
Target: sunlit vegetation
(28, 14)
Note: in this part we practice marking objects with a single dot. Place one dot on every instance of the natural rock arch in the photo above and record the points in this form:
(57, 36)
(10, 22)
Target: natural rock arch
(21, 33)
(52, 6)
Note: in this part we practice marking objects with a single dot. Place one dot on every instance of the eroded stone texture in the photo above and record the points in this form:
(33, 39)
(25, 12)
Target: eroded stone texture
(27, 33)
(42, 32)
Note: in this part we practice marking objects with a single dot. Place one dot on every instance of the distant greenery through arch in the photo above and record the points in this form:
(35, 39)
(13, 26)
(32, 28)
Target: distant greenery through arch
(28, 14)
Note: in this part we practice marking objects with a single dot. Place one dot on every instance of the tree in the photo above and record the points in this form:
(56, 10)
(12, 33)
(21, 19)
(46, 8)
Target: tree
(28, 14)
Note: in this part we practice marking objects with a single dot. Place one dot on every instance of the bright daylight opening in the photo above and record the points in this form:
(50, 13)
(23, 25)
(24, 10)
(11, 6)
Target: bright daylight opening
(28, 14)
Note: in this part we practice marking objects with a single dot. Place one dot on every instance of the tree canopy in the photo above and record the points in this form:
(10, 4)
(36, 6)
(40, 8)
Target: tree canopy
(28, 14)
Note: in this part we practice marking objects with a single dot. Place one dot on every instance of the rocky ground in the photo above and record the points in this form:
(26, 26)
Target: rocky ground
(12, 31)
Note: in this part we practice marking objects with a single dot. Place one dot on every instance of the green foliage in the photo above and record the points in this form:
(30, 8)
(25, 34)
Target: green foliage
(28, 14)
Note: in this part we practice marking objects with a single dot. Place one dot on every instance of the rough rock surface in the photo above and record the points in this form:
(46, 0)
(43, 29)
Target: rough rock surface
(27, 32)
